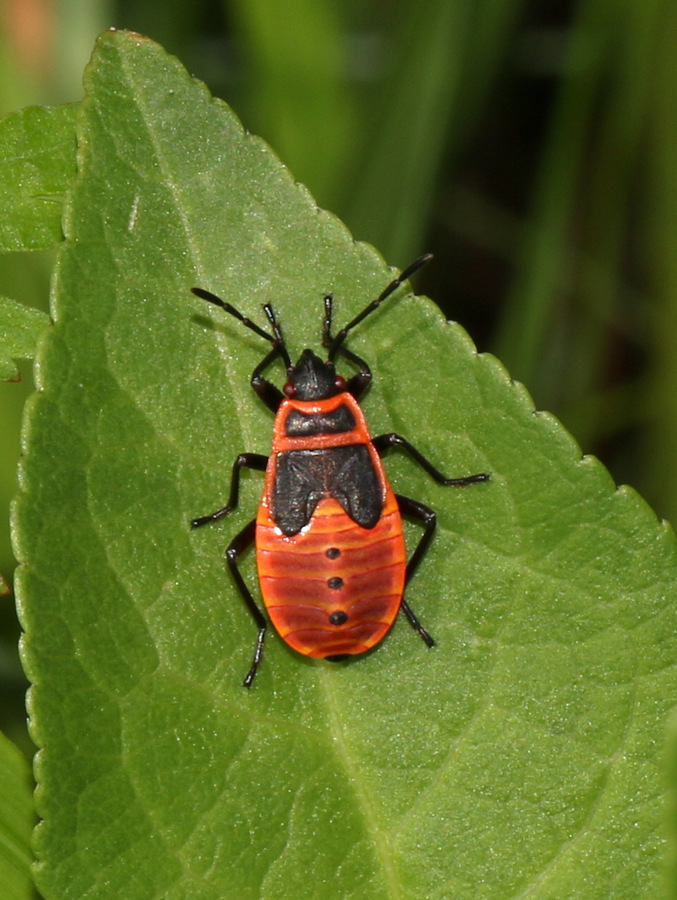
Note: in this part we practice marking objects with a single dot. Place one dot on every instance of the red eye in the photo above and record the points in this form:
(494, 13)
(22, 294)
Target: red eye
(340, 383)
(289, 390)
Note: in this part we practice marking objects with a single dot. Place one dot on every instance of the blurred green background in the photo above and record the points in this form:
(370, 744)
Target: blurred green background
(532, 146)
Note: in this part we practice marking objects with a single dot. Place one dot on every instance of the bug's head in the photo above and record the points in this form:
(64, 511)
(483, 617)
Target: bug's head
(313, 379)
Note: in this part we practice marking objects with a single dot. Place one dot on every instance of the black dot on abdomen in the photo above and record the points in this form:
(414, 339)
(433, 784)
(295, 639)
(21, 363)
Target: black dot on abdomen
(339, 617)
(335, 583)
(332, 553)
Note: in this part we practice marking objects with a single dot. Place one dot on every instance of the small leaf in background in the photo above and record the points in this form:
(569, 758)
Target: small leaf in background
(20, 328)
(37, 147)
(519, 756)
(17, 819)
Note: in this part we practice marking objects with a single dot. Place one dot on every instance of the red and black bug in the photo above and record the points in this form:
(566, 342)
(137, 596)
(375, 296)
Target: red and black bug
(329, 538)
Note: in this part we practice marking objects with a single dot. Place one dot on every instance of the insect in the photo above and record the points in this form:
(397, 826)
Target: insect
(329, 536)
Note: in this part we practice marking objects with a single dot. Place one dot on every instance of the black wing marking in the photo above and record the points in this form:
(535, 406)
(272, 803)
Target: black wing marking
(304, 477)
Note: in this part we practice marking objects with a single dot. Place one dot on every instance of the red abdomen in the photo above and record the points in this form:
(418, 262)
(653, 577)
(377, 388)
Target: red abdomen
(334, 588)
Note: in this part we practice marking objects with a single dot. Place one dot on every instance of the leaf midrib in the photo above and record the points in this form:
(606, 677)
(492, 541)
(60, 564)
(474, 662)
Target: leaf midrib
(360, 785)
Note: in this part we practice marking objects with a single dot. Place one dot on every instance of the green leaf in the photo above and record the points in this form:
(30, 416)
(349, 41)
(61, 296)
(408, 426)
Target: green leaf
(37, 149)
(519, 756)
(671, 812)
(20, 327)
(17, 818)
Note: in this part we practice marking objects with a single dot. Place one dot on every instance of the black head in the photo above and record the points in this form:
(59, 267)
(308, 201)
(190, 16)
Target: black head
(313, 379)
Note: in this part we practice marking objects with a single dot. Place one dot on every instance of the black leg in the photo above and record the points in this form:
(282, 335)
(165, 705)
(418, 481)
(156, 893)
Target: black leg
(237, 546)
(358, 383)
(271, 395)
(249, 460)
(424, 514)
(384, 442)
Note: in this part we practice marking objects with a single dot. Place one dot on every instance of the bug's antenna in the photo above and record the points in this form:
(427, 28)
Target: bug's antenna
(277, 331)
(276, 338)
(340, 336)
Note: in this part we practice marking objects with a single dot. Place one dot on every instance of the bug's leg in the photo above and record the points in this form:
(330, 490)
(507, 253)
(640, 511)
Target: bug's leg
(270, 393)
(384, 442)
(426, 516)
(237, 546)
(358, 383)
(249, 460)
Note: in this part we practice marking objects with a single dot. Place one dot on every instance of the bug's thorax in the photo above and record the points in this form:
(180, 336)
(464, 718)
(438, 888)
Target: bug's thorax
(333, 422)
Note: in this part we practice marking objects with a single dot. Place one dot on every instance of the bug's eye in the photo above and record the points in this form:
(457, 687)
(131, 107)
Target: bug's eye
(289, 390)
(340, 383)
